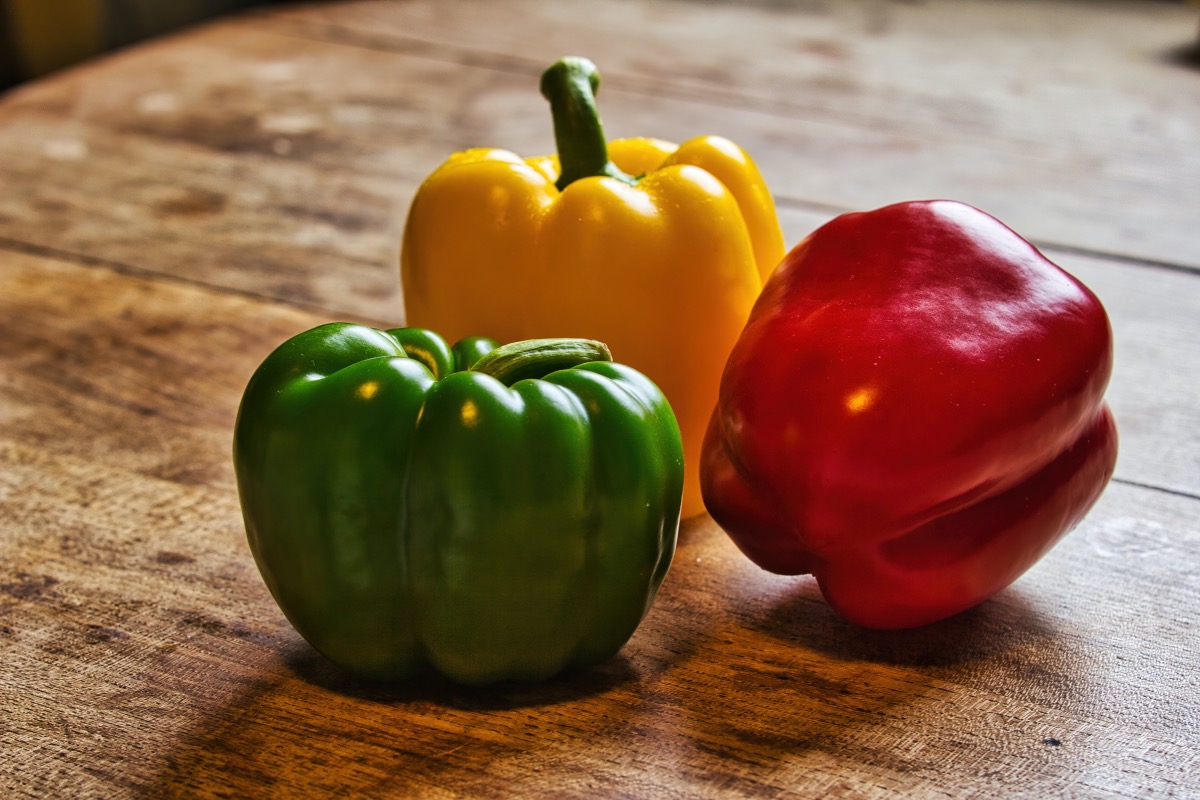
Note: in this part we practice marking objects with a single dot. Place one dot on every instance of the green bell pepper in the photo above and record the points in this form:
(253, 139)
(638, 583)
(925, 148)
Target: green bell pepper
(503, 522)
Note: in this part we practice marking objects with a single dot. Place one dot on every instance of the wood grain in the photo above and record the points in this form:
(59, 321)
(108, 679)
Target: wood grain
(863, 103)
(171, 213)
(143, 655)
(319, 225)
(291, 161)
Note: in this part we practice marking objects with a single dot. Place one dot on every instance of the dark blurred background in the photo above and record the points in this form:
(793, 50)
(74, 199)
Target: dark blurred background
(40, 36)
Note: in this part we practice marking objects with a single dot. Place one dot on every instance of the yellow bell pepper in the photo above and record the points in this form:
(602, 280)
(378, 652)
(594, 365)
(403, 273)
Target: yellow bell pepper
(659, 252)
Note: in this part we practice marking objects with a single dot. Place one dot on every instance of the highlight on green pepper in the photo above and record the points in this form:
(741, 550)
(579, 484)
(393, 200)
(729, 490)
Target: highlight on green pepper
(492, 512)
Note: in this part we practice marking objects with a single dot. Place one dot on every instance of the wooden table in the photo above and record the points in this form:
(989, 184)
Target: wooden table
(169, 214)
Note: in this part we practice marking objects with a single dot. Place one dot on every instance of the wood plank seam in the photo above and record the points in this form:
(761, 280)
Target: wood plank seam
(1153, 488)
(146, 273)
(1045, 246)
(142, 273)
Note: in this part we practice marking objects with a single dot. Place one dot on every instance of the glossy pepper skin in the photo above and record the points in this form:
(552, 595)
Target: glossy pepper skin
(914, 413)
(405, 512)
(657, 250)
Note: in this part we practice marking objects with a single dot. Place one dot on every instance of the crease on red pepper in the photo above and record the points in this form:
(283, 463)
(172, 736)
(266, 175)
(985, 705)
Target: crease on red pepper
(916, 565)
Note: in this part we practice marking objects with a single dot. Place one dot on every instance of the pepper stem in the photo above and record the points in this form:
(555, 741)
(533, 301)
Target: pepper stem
(537, 358)
(570, 84)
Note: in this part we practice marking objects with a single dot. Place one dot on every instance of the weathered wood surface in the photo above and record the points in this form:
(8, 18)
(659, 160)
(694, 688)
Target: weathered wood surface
(859, 104)
(170, 214)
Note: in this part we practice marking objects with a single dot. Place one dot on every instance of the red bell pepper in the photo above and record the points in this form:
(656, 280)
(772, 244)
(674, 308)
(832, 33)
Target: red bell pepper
(914, 413)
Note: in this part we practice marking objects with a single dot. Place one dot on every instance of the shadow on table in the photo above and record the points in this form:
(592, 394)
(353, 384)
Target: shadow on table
(306, 729)
(1187, 55)
(982, 633)
(430, 687)
(1005, 644)
(813, 700)
(736, 678)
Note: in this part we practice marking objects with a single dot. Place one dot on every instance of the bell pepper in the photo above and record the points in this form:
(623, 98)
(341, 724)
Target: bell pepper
(657, 250)
(914, 413)
(503, 522)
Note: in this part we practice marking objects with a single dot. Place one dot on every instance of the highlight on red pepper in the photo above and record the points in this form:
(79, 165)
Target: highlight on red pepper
(493, 512)
(914, 413)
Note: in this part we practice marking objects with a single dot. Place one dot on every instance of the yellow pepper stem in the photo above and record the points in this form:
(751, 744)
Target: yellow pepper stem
(570, 84)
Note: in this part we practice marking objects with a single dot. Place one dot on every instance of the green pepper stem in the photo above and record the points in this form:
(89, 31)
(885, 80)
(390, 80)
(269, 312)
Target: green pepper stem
(537, 358)
(570, 84)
